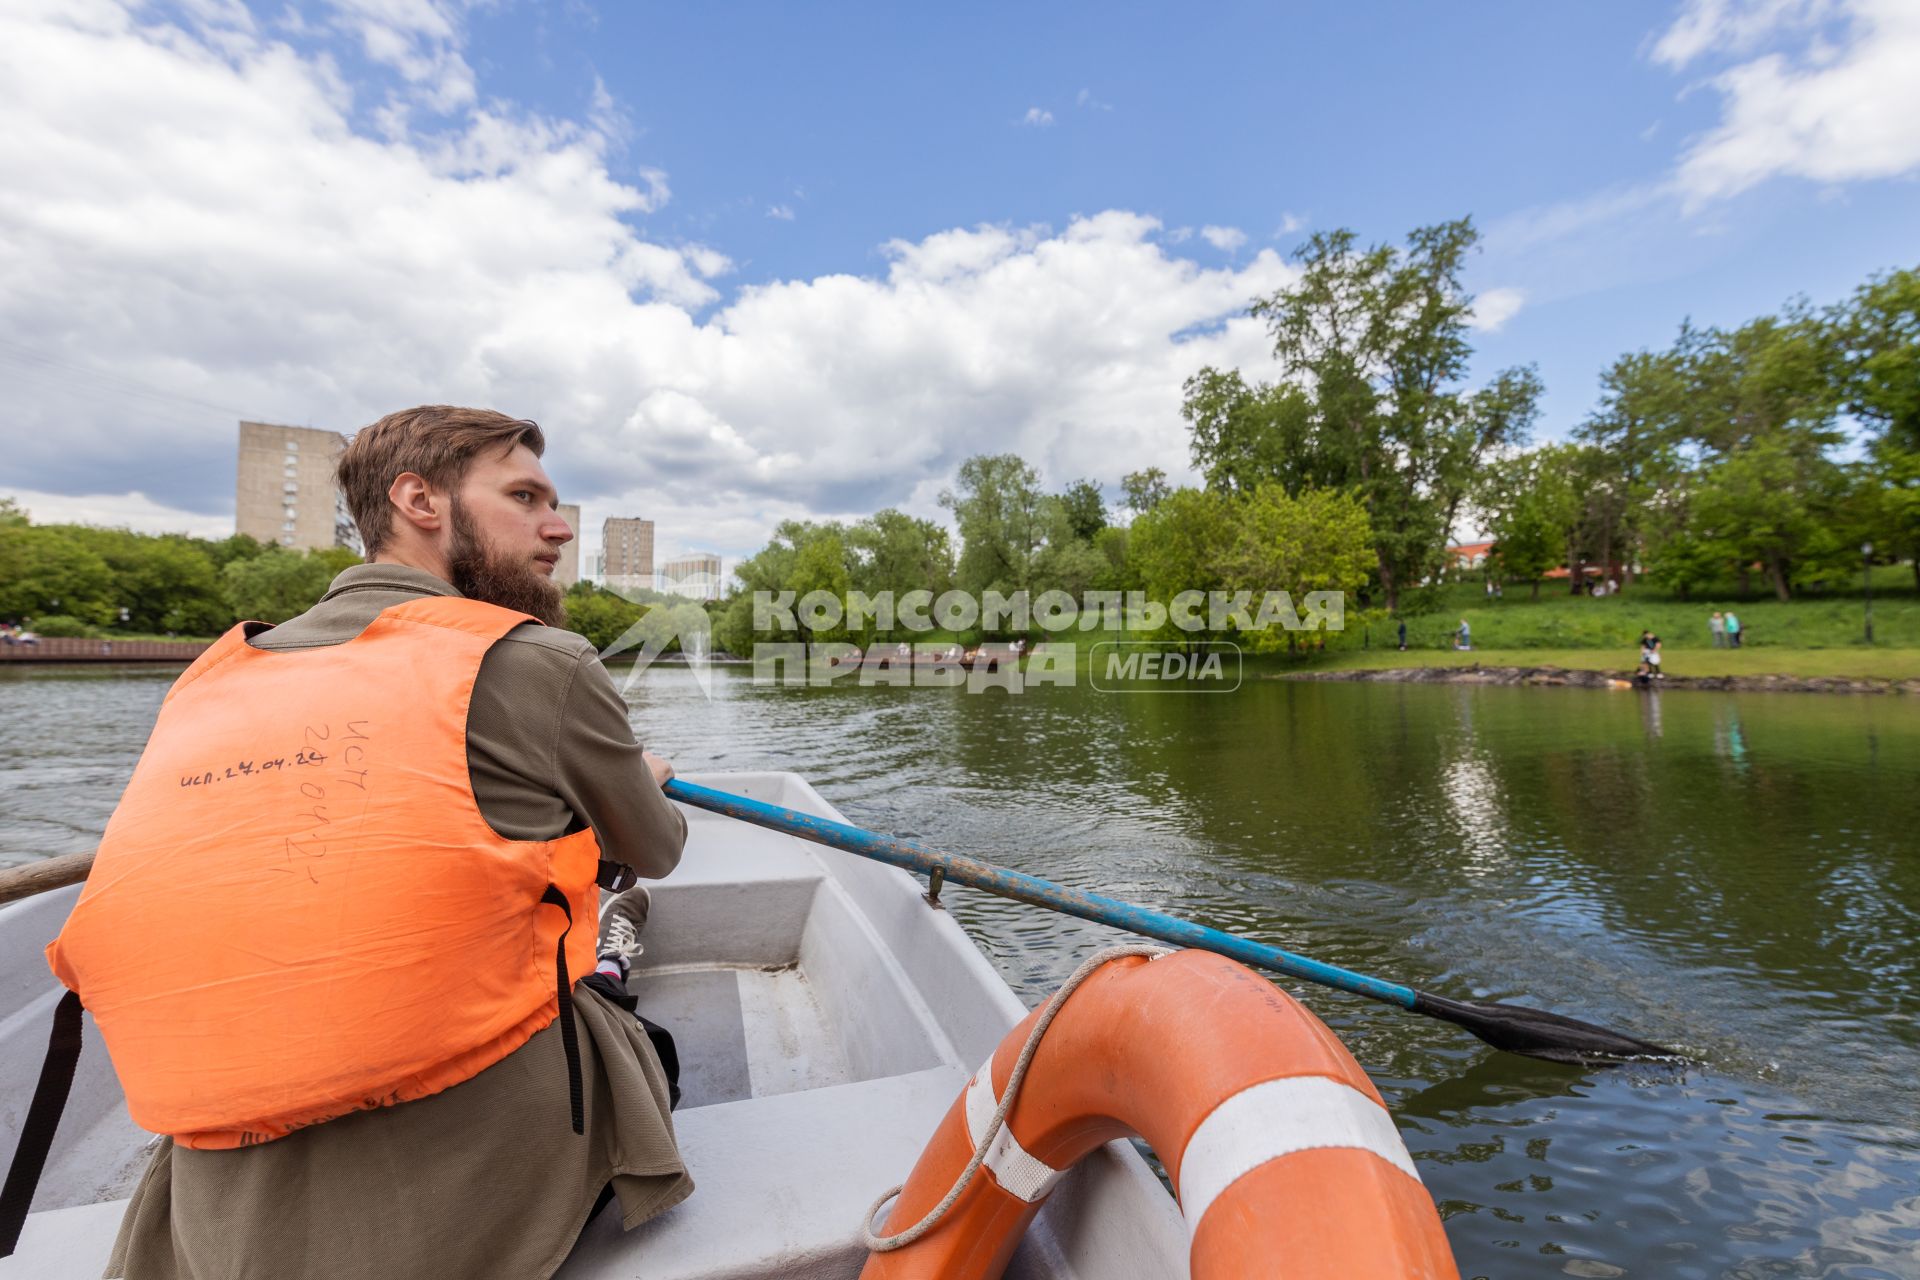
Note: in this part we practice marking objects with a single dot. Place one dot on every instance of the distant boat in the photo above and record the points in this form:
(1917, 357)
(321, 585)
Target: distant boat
(827, 1017)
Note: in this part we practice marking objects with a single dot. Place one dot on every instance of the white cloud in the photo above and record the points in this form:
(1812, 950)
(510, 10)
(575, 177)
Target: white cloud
(1843, 106)
(1225, 239)
(1038, 117)
(197, 228)
(1492, 308)
(1732, 26)
(1086, 99)
(132, 510)
(419, 40)
(782, 212)
(1291, 223)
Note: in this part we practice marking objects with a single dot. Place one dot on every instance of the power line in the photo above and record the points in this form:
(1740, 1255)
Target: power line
(98, 381)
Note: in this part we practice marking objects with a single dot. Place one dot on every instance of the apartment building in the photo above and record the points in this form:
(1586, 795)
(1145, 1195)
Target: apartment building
(285, 491)
(696, 576)
(626, 548)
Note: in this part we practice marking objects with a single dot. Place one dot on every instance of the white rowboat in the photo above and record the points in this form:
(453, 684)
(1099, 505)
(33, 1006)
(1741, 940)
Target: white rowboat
(826, 1017)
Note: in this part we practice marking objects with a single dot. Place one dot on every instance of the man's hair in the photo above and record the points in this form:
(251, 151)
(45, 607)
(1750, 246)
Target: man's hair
(437, 442)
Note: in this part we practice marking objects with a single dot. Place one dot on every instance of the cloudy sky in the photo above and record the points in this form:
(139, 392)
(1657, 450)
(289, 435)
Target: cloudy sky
(752, 261)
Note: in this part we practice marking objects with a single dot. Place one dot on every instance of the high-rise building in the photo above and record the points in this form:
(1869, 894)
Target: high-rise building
(696, 576)
(567, 572)
(626, 543)
(286, 492)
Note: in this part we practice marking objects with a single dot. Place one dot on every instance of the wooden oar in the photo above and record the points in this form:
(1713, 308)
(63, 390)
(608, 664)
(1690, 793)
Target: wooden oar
(49, 873)
(1532, 1032)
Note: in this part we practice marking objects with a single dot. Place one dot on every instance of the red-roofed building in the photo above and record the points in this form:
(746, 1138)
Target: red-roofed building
(1469, 555)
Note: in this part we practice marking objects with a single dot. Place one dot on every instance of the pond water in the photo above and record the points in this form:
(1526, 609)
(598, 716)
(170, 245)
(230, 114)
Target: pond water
(1736, 875)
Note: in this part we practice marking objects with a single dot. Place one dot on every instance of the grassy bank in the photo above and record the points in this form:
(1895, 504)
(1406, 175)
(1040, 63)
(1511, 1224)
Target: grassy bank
(1859, 663)
(1563, 622)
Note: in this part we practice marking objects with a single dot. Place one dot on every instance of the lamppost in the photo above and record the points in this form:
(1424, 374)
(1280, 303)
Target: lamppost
(1866, 574)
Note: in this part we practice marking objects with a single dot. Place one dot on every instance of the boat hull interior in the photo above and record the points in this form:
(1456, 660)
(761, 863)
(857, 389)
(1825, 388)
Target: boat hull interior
(826, 1015)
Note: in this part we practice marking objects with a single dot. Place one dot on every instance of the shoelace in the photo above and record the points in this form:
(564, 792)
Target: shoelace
(622, 941)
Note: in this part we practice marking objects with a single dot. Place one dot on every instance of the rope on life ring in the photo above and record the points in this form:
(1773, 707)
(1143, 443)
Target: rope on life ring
(1281, 1151)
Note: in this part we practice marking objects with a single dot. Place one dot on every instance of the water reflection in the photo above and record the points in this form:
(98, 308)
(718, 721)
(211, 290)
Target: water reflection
(1650, 712)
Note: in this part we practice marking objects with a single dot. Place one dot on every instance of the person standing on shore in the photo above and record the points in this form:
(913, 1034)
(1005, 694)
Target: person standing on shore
(1733, 630)
(1403, 635)
(1718, 626)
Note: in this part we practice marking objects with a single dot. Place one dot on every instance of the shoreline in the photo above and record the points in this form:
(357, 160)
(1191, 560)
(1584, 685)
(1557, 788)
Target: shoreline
(1550, 676)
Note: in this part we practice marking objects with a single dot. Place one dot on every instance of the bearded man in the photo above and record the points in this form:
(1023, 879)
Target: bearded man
(333, 933)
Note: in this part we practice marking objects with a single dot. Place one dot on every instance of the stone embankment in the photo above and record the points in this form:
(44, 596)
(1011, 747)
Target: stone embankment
(1610, 679)
(74, 649)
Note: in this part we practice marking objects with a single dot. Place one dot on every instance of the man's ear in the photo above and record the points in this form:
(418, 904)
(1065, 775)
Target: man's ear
(419, 503)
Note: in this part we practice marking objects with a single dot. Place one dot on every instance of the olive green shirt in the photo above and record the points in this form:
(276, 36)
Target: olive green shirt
(486, 1180)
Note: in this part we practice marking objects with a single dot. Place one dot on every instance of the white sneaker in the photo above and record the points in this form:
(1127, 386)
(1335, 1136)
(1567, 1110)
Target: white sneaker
(625, 916)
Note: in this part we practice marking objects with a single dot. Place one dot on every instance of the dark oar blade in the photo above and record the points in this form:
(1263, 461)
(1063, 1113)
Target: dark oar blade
(1540, 1034)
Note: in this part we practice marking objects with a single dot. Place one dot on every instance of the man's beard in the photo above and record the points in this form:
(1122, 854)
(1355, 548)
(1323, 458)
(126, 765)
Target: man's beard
(479, 572)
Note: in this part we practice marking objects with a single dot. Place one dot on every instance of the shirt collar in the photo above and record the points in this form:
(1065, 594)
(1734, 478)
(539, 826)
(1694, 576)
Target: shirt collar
(388, 577)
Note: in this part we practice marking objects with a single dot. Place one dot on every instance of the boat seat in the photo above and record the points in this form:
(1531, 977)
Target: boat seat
(792, 1175)
(808, 1164)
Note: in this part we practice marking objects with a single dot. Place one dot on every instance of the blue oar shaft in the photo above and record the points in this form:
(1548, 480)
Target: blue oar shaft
(913, 856)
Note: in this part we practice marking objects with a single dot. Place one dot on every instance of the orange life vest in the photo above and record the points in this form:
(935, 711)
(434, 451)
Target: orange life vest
(298, 911)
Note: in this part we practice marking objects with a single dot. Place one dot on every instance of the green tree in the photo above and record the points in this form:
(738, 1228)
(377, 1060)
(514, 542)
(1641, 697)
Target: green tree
(1891, 496)
(275, 586)
(896, 552)
(999, 509)
(776, 568)
(1769, 504)
(601, 616)
(1687, 560)
(1532, 507)
(1380, 337)
(236, 546)
(1317, 540)
(821, 565)
(1635, 477)
(1242, 436)
(164, 583)
(1187, 542)
(1066, 560)
(1085, 508)
(1878, 331)
(1145, 490)
(48, 569)
(1113, 574)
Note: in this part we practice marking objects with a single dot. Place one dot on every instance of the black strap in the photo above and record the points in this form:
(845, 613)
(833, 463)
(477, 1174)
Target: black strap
(616, 877)
(568, 1036)
(43, 1119)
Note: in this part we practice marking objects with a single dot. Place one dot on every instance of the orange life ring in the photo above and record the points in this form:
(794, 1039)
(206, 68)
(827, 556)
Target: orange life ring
(1282, 1152)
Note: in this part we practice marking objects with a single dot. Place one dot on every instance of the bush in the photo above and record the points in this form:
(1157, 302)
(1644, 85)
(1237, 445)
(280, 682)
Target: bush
(56, 625)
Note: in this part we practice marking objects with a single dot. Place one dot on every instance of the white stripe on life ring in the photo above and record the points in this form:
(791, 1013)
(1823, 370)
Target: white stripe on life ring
(1017, 1172)
(1277, 1118)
